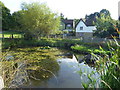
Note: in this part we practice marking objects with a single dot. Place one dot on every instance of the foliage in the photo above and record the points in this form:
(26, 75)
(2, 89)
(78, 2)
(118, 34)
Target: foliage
(109, 68)
(80, 48)
(57, 42)
(6, 17)
(105, 25)
(61, 16)
(39, 20)
(92, 18)
(16, 20)
(85, 49)
(91, 82)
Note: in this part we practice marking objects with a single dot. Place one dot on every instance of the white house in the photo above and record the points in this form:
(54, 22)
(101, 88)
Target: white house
(84, 30)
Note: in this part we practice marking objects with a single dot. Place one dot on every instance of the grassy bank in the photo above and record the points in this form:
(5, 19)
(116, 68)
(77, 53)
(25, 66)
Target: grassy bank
(10, 34)
(74, 45)
(87, 50)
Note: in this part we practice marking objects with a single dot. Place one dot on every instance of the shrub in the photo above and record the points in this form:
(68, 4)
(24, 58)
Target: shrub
(80, 49)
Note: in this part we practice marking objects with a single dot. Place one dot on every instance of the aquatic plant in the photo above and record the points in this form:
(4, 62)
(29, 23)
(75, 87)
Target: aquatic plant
(108, 67)
(33, 63)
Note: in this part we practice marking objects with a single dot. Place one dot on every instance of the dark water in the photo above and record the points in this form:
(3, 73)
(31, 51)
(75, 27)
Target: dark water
(68, 75)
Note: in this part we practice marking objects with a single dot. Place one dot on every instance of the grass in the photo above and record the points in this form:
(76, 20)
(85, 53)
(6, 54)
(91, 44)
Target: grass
(109, 69)
(86, 49)
(8, 34)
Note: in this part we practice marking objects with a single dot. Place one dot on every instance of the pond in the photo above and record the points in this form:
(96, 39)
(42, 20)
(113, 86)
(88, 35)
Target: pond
(68, 74)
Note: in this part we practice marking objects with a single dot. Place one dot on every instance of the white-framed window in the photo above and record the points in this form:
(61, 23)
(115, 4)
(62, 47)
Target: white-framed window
(81, 28)
(68, 25)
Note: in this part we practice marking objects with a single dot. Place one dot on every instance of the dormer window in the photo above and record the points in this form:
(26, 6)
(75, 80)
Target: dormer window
(68, 25)
(81, 28)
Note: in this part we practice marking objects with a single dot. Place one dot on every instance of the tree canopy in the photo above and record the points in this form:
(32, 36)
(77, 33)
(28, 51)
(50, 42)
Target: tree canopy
(16, 20)
(39, 20)
(6, 17)
(105, 25)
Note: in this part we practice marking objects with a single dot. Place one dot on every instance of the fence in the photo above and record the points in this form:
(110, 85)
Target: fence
(92, 40)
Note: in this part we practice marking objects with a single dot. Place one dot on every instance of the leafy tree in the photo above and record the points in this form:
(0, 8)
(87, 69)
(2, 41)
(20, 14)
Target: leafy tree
(39, 20)
(6, 17)
(92, 18)
(117, 27)
(16, 20)
(105, 12)
(61, 16)
(105, 25)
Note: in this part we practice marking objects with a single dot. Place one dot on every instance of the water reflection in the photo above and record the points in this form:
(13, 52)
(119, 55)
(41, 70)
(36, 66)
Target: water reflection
(68, 76)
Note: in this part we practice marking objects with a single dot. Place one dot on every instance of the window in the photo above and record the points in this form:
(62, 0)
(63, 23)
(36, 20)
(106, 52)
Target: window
(68, 25)
(81, 28)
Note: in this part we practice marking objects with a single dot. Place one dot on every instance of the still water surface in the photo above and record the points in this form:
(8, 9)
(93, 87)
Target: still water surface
(68, 76)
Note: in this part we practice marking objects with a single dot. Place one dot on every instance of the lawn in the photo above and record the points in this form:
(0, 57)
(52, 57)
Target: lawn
(8, 34)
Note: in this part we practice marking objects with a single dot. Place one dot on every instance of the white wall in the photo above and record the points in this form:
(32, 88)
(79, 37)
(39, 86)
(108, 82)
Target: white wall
(85, 28)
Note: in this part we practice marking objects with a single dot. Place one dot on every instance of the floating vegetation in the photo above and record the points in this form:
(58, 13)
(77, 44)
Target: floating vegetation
(40, 64)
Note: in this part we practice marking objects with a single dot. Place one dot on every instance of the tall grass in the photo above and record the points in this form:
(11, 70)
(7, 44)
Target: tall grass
(109, 68)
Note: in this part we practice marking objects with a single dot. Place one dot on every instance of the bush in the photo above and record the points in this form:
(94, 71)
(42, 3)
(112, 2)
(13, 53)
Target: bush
(80, 49)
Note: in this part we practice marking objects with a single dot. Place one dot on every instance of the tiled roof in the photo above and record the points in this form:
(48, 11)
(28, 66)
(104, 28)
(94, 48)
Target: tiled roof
(69, 21)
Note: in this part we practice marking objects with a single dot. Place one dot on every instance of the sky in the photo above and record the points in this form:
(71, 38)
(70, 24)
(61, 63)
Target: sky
(72, 9)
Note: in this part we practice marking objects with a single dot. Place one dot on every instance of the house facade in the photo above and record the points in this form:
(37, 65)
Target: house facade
(84, 29)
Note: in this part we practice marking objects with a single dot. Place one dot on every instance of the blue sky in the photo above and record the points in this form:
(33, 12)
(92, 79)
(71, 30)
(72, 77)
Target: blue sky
(71, 8)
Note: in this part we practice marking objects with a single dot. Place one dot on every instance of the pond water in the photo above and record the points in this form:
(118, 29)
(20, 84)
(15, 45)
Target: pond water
(68, 75)
(68, 72)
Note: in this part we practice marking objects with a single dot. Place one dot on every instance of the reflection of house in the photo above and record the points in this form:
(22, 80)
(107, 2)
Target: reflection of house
(67, 24)
(84, 29)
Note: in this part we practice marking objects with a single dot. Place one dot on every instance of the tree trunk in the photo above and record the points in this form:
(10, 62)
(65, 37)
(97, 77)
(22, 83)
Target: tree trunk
(12, 36)
(3, 36)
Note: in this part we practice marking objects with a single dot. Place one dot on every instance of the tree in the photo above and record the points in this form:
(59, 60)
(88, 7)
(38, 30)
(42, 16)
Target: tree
(6, 17)
(39, 20)
(105, 12)
(61, 16)
(105, 25)
(117, 27)
(16, 20)
(92, 18)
